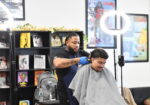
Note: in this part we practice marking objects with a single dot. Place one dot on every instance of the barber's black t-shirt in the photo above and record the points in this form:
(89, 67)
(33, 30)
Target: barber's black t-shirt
(63, 53)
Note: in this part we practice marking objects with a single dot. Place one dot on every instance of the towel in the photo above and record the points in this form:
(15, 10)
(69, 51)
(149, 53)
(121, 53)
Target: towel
(128, 96)
(95, 88)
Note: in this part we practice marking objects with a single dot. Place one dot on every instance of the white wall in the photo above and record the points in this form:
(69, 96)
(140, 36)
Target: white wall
(71, 14)
(135, 74)
(68, 13)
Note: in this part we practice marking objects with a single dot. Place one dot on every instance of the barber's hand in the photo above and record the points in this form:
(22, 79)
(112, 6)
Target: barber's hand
(84, 60)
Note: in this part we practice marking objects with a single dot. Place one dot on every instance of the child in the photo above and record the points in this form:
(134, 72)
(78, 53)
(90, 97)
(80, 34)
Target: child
(147, 101)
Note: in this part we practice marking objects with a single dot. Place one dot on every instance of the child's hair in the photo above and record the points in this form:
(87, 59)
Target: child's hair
(148, 98)
(99, 53)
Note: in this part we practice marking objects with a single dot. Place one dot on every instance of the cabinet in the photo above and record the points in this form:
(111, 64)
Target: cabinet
(27, 54)
(5, 68)
(31, 53)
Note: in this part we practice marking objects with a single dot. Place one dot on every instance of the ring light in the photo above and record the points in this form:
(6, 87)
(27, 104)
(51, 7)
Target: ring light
(115, 32)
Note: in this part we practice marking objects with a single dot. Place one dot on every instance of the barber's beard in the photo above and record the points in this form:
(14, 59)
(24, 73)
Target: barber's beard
(71, 50)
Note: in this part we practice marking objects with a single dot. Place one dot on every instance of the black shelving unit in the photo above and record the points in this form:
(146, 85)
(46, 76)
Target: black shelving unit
(5, 69)
(15, 93)
(27, 92)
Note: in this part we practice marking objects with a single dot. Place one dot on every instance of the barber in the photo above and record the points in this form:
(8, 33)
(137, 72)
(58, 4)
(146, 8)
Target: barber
(66, 63)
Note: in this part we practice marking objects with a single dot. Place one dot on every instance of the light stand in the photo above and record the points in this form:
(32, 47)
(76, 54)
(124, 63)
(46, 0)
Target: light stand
(118, 31)
(121, 64)
(115, 71)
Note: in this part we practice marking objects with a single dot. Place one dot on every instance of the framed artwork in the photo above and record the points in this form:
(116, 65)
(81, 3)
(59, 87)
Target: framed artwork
(134, 43)
(16, 7)
(95, 9)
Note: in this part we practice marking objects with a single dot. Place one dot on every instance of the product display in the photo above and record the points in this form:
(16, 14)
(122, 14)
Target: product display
(2, 102)
(37, 40)
(23, 62)
(24, 102)
(39, 62)
(4, 42)
(28, 61)
(36, 76)
(25, 40)
(56, 41)
(22, 79)
(5, 68)
(63, 39)
(3, 62)
(3, 77)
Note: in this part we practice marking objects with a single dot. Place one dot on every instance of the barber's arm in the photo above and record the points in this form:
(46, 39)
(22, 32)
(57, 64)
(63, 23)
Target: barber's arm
(64, 62)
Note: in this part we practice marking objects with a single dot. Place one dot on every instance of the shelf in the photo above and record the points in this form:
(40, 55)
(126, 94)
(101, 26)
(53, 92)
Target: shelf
(5, 63)
(30, 70)
(5, 88)
(55, 102)
(34, 48)
(27, 87)
(15, 93)
(35, 57)
(5, 48)
(4, 70)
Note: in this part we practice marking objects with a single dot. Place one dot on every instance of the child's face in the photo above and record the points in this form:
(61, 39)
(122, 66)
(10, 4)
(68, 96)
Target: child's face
(98, 63)
(147, 102)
